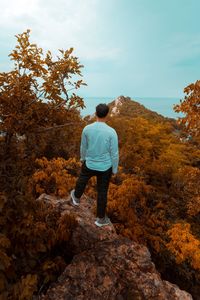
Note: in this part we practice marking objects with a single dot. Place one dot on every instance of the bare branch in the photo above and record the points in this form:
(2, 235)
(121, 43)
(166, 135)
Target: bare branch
(56, 127)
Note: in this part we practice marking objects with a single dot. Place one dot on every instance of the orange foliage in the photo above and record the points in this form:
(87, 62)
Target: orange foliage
(190, 106)
(37, 97)
(25, 287)
(126, 203)
(54, 176)
(157, 183)
(186, 180)
(184, 245)
(39, 117)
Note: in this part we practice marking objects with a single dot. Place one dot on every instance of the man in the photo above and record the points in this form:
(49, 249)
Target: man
(100, 157)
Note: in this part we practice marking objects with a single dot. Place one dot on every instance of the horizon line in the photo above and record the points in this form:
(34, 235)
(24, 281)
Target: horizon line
(157, 97)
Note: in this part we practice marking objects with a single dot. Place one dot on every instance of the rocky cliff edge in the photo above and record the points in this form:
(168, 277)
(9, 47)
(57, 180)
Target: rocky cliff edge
(106, 265)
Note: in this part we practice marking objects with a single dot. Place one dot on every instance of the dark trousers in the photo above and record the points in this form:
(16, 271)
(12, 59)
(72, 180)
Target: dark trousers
(103, 179)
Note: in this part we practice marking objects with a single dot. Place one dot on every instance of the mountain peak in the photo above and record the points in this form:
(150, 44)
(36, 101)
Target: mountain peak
(126, 107)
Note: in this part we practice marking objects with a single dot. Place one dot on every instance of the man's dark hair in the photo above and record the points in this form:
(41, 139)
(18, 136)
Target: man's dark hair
(102, 110)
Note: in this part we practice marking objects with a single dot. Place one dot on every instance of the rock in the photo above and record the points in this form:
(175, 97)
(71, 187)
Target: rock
(115, 109)
(86, 234)
(105, 265)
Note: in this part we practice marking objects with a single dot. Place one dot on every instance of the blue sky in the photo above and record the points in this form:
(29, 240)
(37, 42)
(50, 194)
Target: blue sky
(141, 48)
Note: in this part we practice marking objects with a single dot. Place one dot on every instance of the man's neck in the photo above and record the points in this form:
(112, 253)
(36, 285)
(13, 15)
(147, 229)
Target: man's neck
(103, 120)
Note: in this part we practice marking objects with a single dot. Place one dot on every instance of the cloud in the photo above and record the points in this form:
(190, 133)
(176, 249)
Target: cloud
(59, 24)
(137, 47)
(12, 9)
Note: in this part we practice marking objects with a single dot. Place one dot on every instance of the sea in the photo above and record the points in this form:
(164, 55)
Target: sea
(162, 105)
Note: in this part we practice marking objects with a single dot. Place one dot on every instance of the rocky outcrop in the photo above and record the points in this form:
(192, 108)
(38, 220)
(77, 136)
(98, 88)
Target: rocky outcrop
(86, 234)
(117, 103)
(105, 265)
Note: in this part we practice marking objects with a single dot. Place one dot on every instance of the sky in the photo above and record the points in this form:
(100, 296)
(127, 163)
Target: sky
(143, 48)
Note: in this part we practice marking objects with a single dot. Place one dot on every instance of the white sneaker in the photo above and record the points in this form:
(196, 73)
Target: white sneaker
(75, 201)
(102, 221)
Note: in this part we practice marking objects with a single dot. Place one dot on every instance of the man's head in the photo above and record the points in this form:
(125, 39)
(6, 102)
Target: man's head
(102, 110)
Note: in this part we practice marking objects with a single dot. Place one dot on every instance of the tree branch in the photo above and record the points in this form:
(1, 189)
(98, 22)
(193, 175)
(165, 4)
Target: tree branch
(56, 127)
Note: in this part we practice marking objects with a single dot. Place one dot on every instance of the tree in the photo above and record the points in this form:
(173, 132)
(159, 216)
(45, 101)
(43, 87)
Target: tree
(39, 114)
(190, 107)
(184, 245)
(35, 95)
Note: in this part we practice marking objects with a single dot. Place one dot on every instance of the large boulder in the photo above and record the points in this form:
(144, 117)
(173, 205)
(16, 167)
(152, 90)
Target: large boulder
(85, 234)
(105, 265)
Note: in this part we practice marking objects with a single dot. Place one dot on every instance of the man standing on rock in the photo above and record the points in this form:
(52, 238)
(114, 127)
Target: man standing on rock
(100, 158)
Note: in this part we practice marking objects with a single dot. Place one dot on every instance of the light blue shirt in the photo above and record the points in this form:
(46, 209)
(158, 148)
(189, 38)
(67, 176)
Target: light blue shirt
(99, 147)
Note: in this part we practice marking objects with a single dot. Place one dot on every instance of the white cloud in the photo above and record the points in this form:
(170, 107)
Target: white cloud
(59, 24)
(12, 9)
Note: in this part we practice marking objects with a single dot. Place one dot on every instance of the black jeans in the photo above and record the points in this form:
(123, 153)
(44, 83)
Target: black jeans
(103, 179)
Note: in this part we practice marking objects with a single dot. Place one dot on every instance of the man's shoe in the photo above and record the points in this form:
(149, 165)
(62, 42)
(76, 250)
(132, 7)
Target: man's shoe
(102, 221)
(75, 201)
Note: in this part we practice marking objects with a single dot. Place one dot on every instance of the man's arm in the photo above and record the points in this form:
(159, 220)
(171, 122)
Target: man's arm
(114, 152)
(83, 146)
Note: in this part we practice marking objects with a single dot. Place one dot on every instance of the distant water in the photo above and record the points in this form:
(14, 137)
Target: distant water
(163, 106)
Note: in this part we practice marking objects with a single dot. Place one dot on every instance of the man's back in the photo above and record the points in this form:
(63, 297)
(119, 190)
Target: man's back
(99, 151)
(99, 147)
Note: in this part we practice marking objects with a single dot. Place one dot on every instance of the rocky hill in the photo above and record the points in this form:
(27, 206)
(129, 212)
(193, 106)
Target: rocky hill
(126, 107)
(106, 265)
